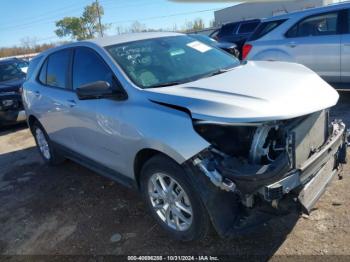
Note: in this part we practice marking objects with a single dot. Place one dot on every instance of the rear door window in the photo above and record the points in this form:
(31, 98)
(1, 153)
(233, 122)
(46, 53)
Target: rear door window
(247, 28)
(265, 28)
(317, 25)
(57, 69)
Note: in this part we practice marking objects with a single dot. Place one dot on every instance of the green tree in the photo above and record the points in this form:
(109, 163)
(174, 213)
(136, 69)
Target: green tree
(73, 27)
(85, 27)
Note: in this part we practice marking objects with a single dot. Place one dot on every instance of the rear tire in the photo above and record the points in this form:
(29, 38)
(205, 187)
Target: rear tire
(46, 150)
(172, 199)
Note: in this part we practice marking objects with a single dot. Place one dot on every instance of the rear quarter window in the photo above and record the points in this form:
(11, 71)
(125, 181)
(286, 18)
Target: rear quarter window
(265, 28)
(33, 64)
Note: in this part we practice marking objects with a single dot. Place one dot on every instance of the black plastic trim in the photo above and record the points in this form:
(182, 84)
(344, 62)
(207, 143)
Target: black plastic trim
(93, 165)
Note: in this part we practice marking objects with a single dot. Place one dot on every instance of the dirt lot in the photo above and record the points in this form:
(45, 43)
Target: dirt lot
(71, 210)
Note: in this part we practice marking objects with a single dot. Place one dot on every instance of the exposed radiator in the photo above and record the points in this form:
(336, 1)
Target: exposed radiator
(309, 135)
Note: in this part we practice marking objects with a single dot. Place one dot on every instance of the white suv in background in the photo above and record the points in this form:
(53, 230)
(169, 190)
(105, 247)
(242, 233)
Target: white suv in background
(318, 38)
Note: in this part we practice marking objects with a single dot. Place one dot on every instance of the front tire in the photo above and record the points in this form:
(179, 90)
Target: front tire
(172, 199)
(44, 145)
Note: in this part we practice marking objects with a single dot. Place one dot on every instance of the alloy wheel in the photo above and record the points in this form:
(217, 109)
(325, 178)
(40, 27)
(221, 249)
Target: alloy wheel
(170, 201)
(42, 143)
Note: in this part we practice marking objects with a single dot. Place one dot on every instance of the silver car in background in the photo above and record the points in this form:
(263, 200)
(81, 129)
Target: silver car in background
(204, 138)
(318, 38)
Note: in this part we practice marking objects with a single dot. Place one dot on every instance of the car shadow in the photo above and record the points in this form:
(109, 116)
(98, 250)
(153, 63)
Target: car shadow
(97, 208)
(4, 130)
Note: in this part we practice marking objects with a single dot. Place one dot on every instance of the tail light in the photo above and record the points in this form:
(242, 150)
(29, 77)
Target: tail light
(245, 51)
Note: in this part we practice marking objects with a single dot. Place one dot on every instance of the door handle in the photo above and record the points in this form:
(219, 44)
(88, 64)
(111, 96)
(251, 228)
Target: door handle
(37, 93)
(347, 44)
(292, 44)
(71, 103)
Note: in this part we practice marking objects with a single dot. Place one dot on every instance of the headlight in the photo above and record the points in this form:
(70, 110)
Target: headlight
(259, 144)
(8, 103)
(232, 140)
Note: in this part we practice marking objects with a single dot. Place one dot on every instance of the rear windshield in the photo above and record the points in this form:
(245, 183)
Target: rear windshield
(247, 27)
(265, 28)
(228, 29)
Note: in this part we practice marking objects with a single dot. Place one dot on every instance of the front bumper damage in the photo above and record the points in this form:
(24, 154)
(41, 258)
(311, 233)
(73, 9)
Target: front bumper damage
(11, 108)
(242, 196)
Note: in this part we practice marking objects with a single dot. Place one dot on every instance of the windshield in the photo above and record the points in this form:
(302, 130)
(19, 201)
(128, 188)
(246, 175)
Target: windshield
(203, 38)
(10, 71)
(169, 60)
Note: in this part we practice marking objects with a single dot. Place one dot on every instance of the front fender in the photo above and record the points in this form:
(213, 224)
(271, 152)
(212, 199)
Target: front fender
(157, 127)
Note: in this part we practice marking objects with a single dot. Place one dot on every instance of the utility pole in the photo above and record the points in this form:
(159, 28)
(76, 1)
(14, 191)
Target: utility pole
(99, 17)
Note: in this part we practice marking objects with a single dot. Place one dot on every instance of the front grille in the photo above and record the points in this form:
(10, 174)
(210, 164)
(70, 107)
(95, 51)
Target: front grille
(17, 103)
(309, 135)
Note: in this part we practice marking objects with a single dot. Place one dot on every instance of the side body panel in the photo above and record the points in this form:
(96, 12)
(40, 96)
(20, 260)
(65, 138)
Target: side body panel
(113, 132)
(319, 53)
(345, 58)
(109, 131)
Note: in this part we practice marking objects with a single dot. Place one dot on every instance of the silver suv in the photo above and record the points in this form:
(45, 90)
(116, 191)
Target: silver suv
(318, 38)
(205, 139)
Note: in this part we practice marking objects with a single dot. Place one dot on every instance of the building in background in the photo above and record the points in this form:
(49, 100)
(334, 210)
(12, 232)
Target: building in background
(251, 10)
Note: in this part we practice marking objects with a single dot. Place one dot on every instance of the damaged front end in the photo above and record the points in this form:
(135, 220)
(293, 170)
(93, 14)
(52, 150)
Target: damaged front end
(263, 166)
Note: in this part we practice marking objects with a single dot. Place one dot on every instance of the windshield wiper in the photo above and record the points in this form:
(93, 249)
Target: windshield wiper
(173, 83)
(217, 72)
(220, 71)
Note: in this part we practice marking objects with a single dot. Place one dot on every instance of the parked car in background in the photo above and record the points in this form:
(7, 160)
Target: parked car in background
(11, 80)
(237, 32)
(204, 138)
(226, 46)
(318, 38)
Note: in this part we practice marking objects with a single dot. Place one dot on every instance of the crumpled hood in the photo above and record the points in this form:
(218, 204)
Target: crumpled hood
(253, 92)
(11, 85)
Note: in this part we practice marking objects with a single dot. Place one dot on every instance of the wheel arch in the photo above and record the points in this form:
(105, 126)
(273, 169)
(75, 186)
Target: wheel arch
(31, 120)
(273, 54)
(142, 157)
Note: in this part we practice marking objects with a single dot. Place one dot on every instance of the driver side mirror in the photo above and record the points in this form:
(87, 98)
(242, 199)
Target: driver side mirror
(96, 90)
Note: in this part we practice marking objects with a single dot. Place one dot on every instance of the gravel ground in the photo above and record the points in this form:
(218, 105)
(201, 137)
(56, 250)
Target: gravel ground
(71, 210)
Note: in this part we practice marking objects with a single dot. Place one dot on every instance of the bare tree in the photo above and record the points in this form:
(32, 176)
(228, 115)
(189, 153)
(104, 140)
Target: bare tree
(137, 27)
(28, 42)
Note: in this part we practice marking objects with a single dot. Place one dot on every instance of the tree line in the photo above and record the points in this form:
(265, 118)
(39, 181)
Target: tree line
(88, 26)
(21, 50)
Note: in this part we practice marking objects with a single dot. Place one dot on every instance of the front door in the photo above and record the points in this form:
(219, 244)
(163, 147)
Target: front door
(97, 127)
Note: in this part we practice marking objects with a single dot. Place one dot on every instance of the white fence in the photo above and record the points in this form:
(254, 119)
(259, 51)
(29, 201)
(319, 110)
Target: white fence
(26, 56)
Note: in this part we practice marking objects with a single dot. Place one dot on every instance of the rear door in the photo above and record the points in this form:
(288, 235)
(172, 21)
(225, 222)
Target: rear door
(315, 43)
(54, 97)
